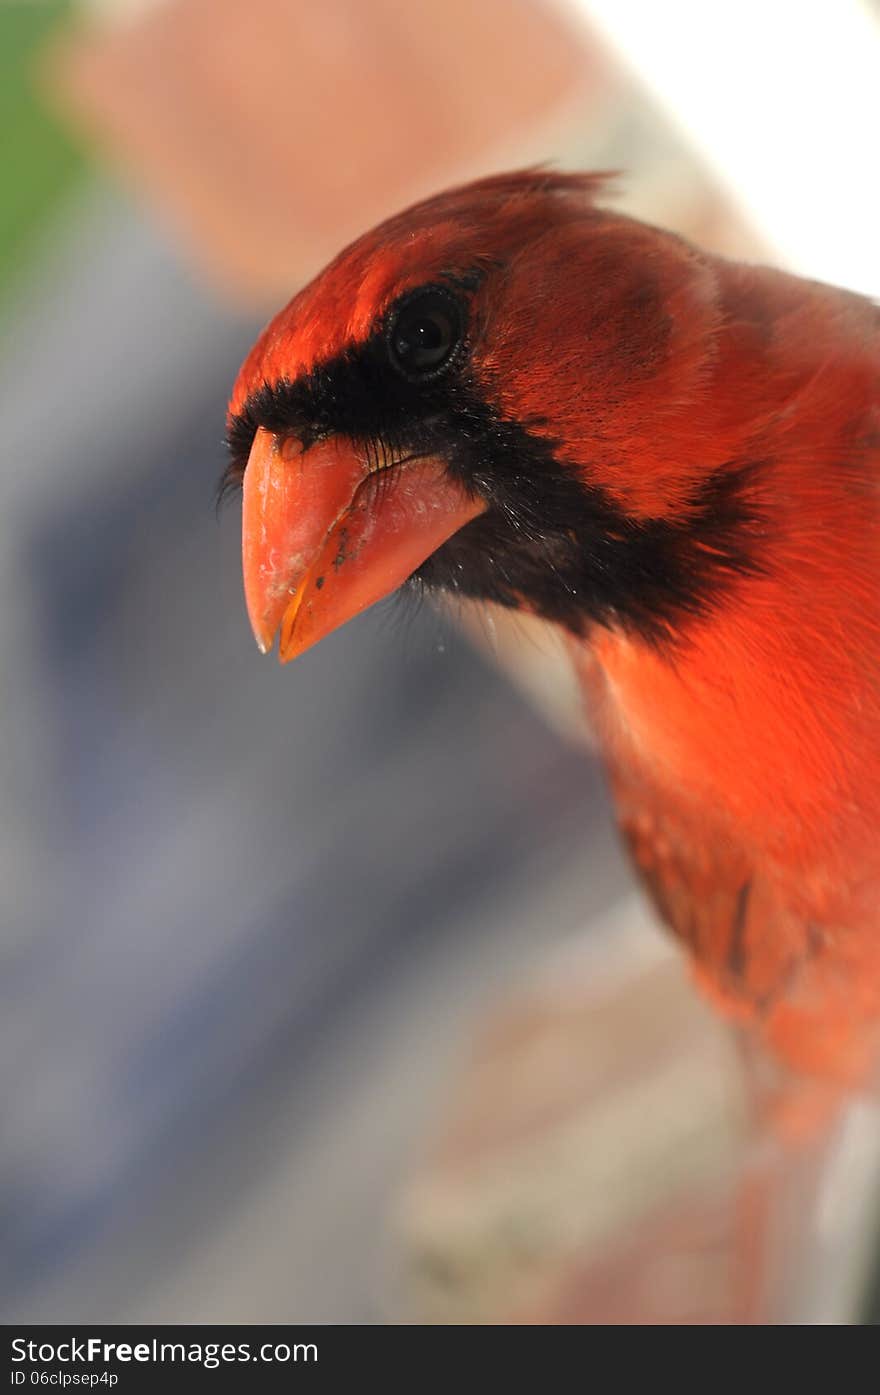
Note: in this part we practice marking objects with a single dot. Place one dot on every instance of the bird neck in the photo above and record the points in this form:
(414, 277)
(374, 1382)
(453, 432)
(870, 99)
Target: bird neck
(765, 719)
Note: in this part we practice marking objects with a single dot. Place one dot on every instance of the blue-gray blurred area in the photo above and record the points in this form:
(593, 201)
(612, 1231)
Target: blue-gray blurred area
(248, 913)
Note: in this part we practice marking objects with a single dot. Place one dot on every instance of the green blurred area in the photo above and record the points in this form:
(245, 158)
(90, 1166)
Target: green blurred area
(39, 162)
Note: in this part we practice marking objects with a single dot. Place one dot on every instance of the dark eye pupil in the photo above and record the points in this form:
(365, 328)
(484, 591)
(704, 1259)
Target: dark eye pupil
(424, 342)
(425, 333)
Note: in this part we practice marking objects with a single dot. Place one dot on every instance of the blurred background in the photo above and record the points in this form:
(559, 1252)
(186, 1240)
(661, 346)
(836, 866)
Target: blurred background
(327, 994)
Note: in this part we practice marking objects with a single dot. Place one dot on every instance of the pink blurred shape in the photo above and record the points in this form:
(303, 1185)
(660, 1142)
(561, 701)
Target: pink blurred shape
(272, 131)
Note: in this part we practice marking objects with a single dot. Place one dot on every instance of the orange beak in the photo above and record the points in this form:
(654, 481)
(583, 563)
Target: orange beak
(324, 536)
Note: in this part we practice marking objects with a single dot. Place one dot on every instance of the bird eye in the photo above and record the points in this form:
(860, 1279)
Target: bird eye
(424, 333)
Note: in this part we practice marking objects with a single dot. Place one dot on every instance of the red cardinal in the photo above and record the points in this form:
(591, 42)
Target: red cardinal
(508, 393)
